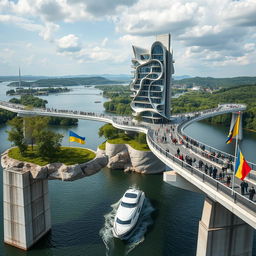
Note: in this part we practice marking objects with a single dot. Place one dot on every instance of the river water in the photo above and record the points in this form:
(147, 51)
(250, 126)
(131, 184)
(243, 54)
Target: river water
(82, 210)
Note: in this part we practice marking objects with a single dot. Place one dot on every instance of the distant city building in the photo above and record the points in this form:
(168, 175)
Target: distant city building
(151, 85)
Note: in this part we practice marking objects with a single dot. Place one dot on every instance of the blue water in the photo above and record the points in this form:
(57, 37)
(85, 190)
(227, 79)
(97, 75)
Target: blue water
(81, 211)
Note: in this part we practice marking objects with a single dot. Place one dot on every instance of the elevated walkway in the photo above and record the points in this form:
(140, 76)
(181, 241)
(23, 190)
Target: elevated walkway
(216, 190)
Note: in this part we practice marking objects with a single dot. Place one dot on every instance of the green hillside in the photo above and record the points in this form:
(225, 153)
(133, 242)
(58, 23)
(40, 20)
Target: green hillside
(194, 101)
(55, 82)
(217, 82)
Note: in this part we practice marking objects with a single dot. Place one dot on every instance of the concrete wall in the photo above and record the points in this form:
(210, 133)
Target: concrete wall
(26, 208)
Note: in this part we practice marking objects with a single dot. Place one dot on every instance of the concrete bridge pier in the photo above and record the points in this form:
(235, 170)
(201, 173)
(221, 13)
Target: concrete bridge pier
(233, 120)
(222, 233)
(26, 208)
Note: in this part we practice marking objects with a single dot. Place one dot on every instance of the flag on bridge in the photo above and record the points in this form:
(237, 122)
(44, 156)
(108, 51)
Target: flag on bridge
(234, 131)
(242, 168)
(73, 137)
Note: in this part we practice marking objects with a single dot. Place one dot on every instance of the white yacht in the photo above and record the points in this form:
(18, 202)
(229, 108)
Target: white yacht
(128, 212)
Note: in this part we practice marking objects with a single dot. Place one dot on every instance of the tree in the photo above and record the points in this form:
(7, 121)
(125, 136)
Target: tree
(48, 143)
(33, 125)
(108, 131)
(16, 134)
(141, 138)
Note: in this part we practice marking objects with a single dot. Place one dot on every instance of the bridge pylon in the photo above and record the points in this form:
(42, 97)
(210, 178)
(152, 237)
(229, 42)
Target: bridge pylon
(26, 208)
(222, 233)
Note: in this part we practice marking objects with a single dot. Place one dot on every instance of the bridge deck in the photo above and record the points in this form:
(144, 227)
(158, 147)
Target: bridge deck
(166, 151)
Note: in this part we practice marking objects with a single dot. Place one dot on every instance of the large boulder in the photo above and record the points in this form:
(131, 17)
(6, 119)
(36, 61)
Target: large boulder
(123, 156)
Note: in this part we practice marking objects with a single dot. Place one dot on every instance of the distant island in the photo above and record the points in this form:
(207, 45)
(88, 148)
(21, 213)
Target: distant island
(215, 83)
(36, 91)
(59, 82)
(32, 101)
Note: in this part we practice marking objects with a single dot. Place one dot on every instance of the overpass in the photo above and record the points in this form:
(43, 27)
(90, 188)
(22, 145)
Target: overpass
(226, 216)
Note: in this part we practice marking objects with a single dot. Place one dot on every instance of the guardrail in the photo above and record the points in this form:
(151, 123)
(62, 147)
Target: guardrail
(196, 146)
(215, 184)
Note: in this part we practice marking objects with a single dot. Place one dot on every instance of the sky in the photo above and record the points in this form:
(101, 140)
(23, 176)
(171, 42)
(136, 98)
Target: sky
(70, 37)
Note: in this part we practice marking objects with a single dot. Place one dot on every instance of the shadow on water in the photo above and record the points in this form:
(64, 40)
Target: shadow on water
(117, 247)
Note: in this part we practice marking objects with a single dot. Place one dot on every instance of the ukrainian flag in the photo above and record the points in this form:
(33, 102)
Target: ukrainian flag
(73, 137)
(235, 130)
(242, 168)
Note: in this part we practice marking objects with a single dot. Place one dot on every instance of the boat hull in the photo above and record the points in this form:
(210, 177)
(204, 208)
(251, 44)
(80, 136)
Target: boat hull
(124, 231)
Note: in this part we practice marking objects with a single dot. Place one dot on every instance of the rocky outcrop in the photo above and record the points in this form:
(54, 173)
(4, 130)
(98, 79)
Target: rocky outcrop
(56, 170)
(123, 156)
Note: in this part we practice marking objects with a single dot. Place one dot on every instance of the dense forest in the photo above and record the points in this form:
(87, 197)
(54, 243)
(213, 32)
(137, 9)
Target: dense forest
(193, 101)
(210, 82)
(74, 81)
(32, 101)
(120, 99)
(202, 100)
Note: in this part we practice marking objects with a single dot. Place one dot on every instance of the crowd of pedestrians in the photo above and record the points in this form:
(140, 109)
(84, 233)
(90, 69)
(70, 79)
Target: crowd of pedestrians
(212, 166)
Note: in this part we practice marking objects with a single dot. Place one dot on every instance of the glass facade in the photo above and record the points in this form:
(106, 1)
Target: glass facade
(151, 85)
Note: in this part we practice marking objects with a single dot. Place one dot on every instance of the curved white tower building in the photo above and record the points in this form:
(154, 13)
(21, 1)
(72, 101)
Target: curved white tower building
(151, 85)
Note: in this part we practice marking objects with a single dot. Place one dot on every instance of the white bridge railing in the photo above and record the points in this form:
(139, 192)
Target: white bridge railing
(205, 150)
(235, 197)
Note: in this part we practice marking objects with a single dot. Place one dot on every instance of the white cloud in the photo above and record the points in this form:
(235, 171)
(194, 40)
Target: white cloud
(212, 32)
(47, 32)
(69, 43)
(20, 22)
(250, 47)
(241, 13)
(150, 17)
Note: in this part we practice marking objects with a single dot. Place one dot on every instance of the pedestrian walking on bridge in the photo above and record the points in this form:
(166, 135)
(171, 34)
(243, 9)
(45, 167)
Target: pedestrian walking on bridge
(251, 193)
(242, 185)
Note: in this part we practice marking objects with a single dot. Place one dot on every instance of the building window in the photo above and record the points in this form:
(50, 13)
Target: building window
(157, 49)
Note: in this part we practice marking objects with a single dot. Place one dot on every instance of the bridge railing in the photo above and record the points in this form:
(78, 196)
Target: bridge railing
(210, 152)
(218, 186)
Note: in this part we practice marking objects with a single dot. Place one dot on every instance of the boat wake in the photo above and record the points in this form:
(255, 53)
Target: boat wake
(115, 246)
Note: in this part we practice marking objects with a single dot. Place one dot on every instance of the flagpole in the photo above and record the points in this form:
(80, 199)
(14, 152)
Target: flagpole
(234, 167)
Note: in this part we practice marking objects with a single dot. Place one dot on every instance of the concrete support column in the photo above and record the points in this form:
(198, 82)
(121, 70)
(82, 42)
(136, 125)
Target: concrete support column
(222, 233)
(233, 120)
(26, 208)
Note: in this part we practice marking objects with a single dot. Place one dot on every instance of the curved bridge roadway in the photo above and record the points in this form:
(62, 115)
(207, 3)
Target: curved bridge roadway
(166, 152)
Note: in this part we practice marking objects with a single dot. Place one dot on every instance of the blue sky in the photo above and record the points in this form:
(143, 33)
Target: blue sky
(71, 37)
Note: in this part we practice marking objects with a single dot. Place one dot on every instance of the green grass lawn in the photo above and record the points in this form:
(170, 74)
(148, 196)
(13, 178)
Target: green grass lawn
(102, 146)
(67, 155)
(133, 143)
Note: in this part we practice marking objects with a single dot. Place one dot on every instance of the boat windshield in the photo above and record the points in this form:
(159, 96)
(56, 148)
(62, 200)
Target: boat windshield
(130, 195)
(128, 205)
(123, 221)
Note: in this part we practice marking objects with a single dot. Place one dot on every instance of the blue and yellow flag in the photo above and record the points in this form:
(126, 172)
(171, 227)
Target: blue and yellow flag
(73, 137)
(242, 168)
(234, 131)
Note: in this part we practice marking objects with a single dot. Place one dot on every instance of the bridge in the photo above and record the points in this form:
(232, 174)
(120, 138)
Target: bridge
(227, 215)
